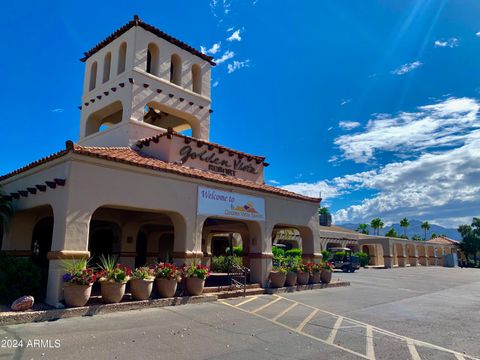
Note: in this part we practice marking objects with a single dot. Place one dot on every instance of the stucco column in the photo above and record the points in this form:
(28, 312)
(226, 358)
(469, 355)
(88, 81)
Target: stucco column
(387, 256)
(187, 246)
(413, 258)
(260, 252)
(440, 253)
(402, 258)
(311, 244)
(69, 241)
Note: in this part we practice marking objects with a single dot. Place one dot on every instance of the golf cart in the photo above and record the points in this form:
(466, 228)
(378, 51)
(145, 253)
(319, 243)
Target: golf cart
(343, 259)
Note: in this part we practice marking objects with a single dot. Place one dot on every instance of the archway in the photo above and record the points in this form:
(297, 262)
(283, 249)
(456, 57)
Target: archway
(104, 118)
(104, 239)
(166, 117)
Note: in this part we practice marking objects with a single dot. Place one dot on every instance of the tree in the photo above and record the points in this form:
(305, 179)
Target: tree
(323, 210)
(433, 236)
(468, 243)
(416, 237)
(425, 226)
(363, 228)
(391, 233)
(377, 224)
(404, 223)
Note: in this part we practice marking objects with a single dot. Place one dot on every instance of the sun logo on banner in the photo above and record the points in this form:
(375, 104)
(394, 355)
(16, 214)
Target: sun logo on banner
(248, 207)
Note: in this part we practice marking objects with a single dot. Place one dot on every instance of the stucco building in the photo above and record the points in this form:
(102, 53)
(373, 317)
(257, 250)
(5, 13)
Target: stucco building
(135, 184)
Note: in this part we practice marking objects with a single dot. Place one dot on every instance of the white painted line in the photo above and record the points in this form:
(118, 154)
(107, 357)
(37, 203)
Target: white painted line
(266, 305)
(285, 311)
(306, 320)
(459, 357)
(413, 350)
(334, 331)
(246, 301)
(370, 351)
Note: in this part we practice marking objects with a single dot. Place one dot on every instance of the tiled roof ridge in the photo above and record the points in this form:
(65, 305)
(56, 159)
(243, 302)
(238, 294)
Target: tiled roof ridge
(159, 165)
(137, 22)
(170, 132)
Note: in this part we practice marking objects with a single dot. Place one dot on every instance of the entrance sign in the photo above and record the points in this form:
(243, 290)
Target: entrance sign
(229, 204)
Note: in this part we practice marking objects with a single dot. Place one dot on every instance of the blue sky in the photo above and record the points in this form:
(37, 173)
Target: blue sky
(373, 103)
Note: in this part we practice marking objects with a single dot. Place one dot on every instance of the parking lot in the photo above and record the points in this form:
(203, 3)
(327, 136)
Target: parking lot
(405, 313)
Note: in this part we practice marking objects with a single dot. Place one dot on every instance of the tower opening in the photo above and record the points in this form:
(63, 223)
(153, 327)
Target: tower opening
(122, 57)
(153, 59)
(93, 76)
(176, 70)
(107, 61)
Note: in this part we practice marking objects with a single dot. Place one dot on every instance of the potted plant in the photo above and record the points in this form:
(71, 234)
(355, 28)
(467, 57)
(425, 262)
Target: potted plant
(326, 274)
(278, 275)
(78, 281)
(195, 276)
(167, 277)
(141, 283)
(112, 277)
(303, 274)
(315, 271)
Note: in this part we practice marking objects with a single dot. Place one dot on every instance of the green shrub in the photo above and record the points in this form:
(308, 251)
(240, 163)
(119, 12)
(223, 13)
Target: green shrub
(18, 277)
(364, 258)
(338, 256)
(326, 255)
(221, 263)
(237, 251)
(278, 252)
(293, 252)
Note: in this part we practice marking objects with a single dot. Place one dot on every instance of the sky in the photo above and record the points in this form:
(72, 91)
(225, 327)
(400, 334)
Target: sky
(374, 104)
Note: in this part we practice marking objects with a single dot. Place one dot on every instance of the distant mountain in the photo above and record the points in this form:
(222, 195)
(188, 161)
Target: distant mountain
(413, 229)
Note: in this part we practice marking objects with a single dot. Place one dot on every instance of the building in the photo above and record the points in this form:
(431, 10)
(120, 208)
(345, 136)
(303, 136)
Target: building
(135, 184)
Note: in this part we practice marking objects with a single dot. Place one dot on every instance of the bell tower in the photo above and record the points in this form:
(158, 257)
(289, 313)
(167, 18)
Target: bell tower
(140, 81)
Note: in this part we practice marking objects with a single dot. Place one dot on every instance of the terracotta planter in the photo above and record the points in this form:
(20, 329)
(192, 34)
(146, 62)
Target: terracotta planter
(315, 278)
(194, 285)
(302, 278)
(76, 295)
(291, 279)
(112, 292)
(166, 288)
(141, 288)
(326, 276)
(277, 279)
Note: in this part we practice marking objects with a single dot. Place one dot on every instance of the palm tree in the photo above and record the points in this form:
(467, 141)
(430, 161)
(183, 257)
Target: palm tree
(425, 226)
(363, 228)
(377, 224)
(404, 223)
(6, 211)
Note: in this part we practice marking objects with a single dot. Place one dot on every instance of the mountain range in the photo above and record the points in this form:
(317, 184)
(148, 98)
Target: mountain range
(413, 229)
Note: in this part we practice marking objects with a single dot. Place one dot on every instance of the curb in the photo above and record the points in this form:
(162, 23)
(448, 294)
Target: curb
(306, 287)
(12, 318)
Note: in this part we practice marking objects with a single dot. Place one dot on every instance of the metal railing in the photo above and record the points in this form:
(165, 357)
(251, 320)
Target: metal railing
(237, 275)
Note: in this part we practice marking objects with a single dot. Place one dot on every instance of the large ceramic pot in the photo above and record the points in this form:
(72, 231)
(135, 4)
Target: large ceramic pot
(112, 292)
(277, 279)
(166, 288)
(326, 276)
(76, 295)
(315, 277)
(194, 285)
(141, 288)
(291, 279)
(302, 277)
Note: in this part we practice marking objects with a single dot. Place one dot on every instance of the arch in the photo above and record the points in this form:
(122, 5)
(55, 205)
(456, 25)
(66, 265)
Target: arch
(42, 241)
(107, 63)
(104, 118)
(93, 76)
(153, 59)
(164, 117)
(196, 79)
(176, 70)
(122, 58)
(104, 239)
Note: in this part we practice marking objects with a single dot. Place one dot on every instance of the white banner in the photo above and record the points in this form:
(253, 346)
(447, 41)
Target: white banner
(229, 204)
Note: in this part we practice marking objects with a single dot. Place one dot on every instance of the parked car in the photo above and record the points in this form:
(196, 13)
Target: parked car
(344, 259)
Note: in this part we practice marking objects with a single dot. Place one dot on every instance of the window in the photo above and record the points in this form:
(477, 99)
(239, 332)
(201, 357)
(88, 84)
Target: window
(93, 76)
(196, 79)
(153, 60)
(107, 61)
(176, 70)
(122, 57)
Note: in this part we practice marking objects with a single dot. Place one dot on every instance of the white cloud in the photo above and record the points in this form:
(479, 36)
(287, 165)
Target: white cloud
(477, 34)
(345, 101)
(451, 43)
(213, 49)
(235, 36)
(227, 55)
(58, 110)
(448, 123)
(348, 125)
(215, 84)
(236, 65)
(406, 68)
(274, 182)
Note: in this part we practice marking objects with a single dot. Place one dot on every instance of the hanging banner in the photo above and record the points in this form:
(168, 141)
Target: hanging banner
(229, 204)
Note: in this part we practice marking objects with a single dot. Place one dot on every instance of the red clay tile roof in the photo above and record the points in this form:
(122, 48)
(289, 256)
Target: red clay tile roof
(188, 139)
(137, 22)
(442, 240)
(129, 156)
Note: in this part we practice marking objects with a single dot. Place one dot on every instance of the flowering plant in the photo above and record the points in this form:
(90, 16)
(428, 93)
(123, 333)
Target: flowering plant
(166, 271)
(143, 273)
(198, 271)
(76, 272)
(327, 266)
(111, 271)
(279, 268)
(313, 268)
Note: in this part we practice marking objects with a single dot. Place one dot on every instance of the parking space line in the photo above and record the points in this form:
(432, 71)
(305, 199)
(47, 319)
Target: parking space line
(334, 331)
(247, 301)
(459, 357)
(413, 350)
(306, 320)
(370, 351)
(266, 305)
(285, 311)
